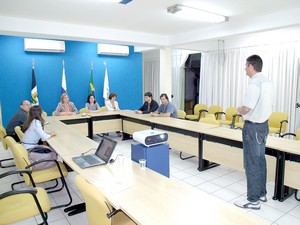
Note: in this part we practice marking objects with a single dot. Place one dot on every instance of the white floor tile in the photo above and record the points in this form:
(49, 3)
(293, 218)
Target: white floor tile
(226, 194)
(295, 212)
(223, 182)
(194, 181)
(206, 175)
(284, 206)
(237, 188)
(209, 187)
(181, 175)
(288, 220)
(268, 213)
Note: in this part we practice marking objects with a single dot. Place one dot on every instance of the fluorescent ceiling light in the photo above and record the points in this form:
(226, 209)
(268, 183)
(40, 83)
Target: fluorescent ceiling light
(124, 2)
(191, 13)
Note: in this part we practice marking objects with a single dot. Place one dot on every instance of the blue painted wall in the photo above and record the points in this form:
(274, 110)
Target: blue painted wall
(125, 75)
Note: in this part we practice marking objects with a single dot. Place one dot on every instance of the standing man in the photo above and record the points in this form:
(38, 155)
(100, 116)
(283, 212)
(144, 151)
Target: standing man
(149, 106)
(18, 119)
(166, 109)
(256, 109)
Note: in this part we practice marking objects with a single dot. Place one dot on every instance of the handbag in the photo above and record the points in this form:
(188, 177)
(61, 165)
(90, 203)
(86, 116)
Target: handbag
(39, 153)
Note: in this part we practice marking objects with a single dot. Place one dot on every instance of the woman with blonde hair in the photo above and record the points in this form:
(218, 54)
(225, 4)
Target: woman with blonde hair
(33, 128)
(65, 107)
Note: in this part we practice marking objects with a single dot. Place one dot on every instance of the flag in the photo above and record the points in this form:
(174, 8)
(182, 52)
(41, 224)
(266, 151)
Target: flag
(106, 86)
(34, 94)
(63, 81)
(91, 84)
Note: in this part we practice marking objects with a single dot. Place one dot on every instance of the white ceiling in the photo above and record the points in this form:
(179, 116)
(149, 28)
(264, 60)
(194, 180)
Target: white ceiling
(143, 22)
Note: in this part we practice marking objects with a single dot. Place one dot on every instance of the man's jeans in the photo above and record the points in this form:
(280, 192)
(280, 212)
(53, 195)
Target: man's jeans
(254, 145)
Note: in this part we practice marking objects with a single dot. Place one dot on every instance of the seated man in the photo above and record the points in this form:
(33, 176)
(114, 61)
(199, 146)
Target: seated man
(18, 119)
(166, 109)
(149, 106)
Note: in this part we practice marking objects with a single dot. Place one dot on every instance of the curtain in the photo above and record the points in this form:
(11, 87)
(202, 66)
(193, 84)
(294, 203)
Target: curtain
(224, 82)
(151, 77)
(178, 77)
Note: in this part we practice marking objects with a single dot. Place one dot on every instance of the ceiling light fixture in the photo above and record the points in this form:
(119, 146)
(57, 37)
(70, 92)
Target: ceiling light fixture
(188, 12)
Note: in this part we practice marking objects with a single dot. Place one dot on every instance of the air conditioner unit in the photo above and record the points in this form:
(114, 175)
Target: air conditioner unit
(40, 45)
(118, 50)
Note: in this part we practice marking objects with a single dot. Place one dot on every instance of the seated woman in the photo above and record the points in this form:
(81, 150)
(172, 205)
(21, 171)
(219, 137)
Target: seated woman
(65, 107)
(91, 105)
(112, 104)
(33, 128)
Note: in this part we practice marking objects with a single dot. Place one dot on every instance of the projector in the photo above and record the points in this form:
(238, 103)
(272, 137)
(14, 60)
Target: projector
(150, 137)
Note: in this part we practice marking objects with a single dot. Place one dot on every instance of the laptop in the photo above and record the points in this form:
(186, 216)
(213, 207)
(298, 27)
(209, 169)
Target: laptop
(101, 157)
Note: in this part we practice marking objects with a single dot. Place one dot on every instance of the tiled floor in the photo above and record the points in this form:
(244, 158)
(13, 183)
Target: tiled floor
(221, 182)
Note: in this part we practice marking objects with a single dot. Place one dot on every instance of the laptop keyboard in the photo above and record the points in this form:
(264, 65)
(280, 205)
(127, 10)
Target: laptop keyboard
(90, 159)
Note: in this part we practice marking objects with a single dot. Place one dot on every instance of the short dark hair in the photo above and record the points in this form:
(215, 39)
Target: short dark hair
(164, 95)
(149, 94)
(256, 62)
(88, 98)
(111, 95)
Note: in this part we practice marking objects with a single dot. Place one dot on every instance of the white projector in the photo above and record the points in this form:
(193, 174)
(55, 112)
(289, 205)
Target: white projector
(150, 137)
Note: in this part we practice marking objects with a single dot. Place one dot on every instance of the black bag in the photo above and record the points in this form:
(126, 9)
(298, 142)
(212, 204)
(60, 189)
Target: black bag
(42, 152)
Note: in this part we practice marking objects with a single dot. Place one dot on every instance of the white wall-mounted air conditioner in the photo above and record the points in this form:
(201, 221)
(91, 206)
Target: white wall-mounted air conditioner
(118, 50)
(40, 45)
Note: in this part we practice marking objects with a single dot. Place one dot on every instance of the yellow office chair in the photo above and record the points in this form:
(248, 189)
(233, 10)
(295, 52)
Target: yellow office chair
(277, 122)
(19, 132)
(238, 121)
(103, 109)
(297, 138)
(82, 110)
(229, 119)
(54, 113)
(215, 110)
(17, 205)
(97, 207)
(181, 114)
(196, 116)
(2, 137)
(210, 119)
(41, 176)
(296, 135)
(44, 114)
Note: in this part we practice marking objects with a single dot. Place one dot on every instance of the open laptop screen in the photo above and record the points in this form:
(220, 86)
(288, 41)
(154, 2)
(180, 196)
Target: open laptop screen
(106, 148)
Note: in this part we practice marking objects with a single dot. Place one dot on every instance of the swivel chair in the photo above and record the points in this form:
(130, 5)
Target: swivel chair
(210, 119)
(2, 137)
(98, 210)
(19, 132)
(181, 114)
(17, 205)
(277, 122)
(215, 110)
(197, 114)
(82, 110)
(297, 138)
(22, 161)
(229, 119)
(103, 109)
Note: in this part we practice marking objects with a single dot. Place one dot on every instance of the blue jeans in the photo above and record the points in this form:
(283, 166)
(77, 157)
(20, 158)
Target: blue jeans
(254, 146)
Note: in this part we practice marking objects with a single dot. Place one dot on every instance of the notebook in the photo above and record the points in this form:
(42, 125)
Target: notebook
(102, 155)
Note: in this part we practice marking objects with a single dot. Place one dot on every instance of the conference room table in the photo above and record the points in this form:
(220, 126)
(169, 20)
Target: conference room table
(225, 148)
(145, 196)
(209, 143)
